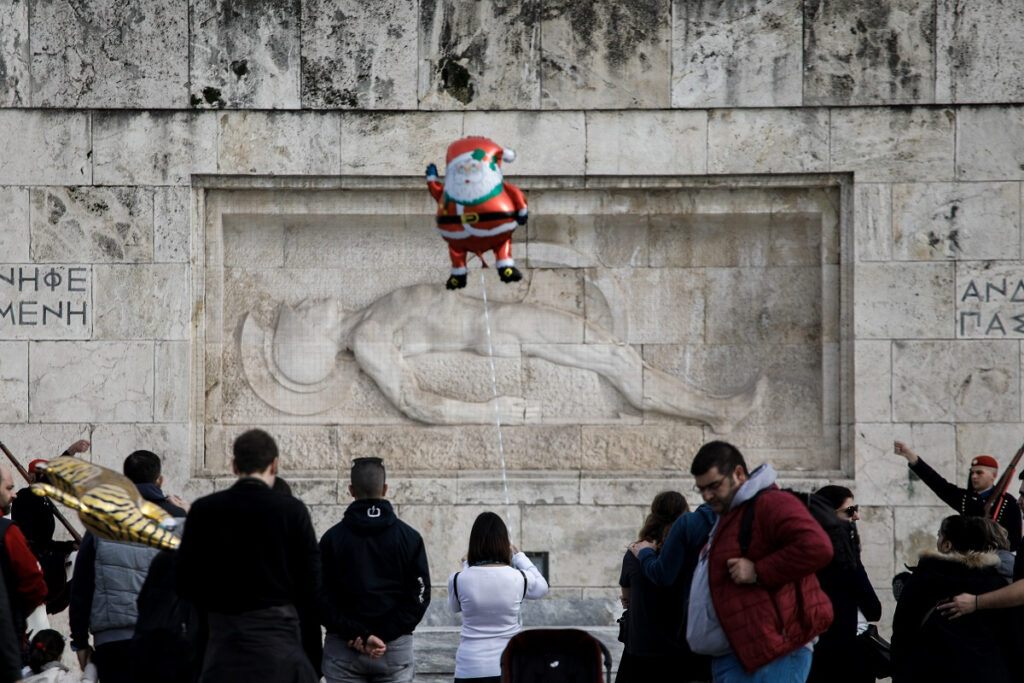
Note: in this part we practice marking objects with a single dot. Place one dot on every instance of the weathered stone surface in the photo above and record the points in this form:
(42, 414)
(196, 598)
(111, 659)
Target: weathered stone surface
(13, 381)
(876, 532)
(658, 143)
(171, 397)
(465, 50)
(112, 443)
(990, 143)
(314, 492)
(902, 300)
(166, 147)
(406, 489)
(28, 441)
(557, 394)
(531, 134)
(956, 381)
(109, 54)
(606, 56)
(244, 55)
(14, 224)
(45, 148)
(883, 478)
(978, 53)
(665, 447)
(872, 391)
(1001, 441)
(579, 545)
(955, 220)
(781, 305)
(622, 488)
(524, 488)
(15, 77)
(726, 55)
(872, 212)
(423, 138)
(882, 144)
(171, 208)
(768, 141)
(878, 52)
(113, 381)
(653, 291)
(98, 224)
(612, 241)
(52, 301)
(359, 54)
(988, 300)
(278, 143)
(141, 302)
(915, 531)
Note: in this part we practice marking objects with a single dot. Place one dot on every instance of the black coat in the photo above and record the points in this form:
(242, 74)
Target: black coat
(250, 548)
(928, 647)
(375, 573)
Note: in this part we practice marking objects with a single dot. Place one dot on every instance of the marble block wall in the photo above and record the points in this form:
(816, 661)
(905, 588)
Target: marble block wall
(128, 129)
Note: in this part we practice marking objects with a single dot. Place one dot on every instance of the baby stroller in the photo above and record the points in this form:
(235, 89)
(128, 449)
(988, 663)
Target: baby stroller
(555, 655)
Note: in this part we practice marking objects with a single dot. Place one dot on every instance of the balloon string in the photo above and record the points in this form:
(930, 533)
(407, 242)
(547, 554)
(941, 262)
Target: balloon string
(497, 410)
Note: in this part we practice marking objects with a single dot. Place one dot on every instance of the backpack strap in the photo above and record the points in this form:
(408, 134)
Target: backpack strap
(455, 585)
(747, 523)
(524, 583)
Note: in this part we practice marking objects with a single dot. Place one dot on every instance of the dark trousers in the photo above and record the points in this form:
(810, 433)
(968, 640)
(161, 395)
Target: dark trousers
(114, 662)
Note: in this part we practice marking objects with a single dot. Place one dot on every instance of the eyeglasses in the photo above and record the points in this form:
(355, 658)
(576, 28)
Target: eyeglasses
(709, 487)
(850, 511)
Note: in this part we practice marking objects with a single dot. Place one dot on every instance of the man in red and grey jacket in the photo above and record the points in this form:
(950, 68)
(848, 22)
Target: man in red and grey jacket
(756, 613)
(26, 588)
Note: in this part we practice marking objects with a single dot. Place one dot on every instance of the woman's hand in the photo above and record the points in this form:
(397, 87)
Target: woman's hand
(961, 605)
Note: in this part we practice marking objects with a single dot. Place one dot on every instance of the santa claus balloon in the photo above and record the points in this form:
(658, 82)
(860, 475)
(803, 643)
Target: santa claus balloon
(477, 210)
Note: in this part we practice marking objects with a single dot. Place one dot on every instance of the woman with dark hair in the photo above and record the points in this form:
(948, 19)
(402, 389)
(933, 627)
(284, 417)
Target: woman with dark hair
(495, 579)
(655, 629)
(837, 658)
(926, 645)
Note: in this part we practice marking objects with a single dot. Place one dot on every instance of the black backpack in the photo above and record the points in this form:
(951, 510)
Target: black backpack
(844, 555)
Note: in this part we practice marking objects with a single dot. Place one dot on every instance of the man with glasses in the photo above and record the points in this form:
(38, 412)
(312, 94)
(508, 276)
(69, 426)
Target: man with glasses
(376, 586)
(971, 501)
(756, 610)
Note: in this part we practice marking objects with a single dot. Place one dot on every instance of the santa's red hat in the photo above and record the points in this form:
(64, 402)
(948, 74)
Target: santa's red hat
(489, 150)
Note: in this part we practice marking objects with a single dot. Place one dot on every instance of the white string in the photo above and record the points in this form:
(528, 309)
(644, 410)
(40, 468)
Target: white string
(497, 410)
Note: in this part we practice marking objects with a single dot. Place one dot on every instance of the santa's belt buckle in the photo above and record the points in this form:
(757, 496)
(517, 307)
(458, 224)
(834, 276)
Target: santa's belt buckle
(469, 218)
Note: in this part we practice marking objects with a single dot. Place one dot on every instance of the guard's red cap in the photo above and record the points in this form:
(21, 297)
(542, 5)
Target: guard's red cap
(36, 463)
(985, 461)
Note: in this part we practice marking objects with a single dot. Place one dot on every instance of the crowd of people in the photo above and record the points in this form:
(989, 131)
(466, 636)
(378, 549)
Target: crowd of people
(758, 583)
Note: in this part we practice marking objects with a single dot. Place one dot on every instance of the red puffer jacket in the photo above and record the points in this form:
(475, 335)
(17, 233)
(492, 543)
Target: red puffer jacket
(786, 609)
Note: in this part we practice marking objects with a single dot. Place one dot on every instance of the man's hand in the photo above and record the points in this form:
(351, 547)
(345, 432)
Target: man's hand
(741, 570)
(960, 606)
(636, 547)
(80, 446)
(900, 448)
(375, 647)
(179, 501)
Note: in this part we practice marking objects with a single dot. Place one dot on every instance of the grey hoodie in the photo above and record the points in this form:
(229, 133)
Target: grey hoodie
(704, 632)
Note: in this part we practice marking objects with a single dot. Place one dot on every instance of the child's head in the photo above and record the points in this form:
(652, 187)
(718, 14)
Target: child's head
(46, 646)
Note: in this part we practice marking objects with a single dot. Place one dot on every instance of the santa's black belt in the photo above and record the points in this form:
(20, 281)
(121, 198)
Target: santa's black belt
(475, 217)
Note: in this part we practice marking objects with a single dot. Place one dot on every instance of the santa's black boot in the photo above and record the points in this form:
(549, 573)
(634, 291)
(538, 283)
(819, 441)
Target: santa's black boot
(455, 281)
(509, 274)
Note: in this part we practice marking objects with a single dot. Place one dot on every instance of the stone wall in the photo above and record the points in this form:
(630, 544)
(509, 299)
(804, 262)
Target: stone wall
(122, 126)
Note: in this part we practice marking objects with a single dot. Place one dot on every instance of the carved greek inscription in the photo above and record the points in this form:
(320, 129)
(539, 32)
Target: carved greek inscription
(990, 305)
(45, 302)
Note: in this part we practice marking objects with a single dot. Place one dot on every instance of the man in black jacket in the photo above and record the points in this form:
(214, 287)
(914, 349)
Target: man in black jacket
(249, 560)
(970, 502)
(376, 586)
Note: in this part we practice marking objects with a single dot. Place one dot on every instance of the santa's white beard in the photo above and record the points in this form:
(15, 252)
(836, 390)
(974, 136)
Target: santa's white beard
(470, 183)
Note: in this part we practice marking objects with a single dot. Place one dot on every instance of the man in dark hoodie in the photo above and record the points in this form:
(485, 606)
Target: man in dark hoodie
(376, 585)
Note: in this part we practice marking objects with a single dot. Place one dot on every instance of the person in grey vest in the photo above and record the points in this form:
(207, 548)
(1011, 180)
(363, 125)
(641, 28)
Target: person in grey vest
(107, 580)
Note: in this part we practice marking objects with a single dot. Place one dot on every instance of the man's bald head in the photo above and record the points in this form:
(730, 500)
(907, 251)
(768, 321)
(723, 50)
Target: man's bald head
(7, 494)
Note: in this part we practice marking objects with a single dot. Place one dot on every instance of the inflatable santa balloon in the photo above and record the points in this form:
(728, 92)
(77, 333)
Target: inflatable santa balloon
(477, 210)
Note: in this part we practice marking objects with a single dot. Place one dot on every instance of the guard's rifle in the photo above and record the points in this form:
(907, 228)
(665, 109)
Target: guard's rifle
(53, 508)
(994, 504)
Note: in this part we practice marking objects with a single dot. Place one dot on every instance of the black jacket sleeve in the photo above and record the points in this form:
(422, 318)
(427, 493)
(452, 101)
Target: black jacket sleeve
(83, 583)
(10, 650)
(410, 609)
(951, 494)
(331, 614)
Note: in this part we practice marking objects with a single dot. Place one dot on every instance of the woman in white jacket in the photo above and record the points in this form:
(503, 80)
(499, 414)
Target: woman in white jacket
(489, 591)
(44, 665)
